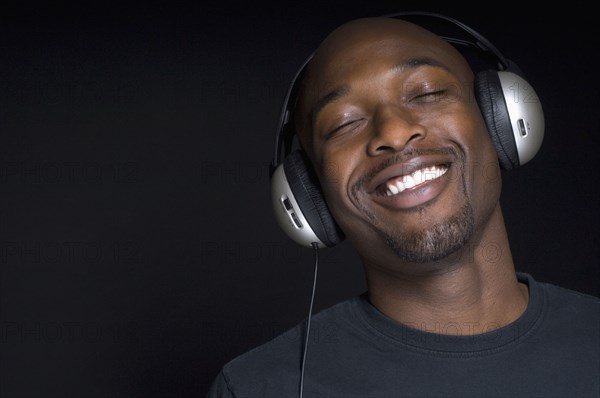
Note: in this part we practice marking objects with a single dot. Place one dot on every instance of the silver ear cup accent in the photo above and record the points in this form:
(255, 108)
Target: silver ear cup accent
(288, 213)
(525, 113)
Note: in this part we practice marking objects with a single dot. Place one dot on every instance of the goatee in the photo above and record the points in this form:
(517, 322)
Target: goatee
(434, 243)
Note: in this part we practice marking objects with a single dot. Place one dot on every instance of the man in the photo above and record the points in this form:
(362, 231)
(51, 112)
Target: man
(390, 104)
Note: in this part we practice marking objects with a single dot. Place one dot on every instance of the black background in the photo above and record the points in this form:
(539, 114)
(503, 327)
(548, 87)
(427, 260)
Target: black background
(138, 252)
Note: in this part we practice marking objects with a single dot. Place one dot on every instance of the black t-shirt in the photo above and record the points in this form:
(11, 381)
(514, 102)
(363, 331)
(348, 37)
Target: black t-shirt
(552, 350)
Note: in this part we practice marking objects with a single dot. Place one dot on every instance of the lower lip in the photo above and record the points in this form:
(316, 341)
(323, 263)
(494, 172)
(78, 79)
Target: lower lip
(417, 196)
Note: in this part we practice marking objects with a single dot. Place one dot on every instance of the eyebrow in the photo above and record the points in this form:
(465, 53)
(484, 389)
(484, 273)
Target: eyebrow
(344, 89)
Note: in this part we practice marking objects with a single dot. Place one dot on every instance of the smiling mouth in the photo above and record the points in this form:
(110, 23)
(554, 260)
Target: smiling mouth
(399, 184)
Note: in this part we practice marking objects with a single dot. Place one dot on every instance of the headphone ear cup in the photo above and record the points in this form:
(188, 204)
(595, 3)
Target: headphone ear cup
(492, 103)
(297, 193)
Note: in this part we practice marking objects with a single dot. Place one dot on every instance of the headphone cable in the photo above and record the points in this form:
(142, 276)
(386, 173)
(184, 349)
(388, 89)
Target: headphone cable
(312, 299)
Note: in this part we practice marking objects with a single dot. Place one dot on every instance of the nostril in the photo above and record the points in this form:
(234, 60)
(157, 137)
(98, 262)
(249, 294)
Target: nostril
(421, 135)
(416, 136)
(398, 142)
(384, 148)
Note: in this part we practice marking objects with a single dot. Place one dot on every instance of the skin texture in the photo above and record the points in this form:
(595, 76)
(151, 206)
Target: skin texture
(382, 98)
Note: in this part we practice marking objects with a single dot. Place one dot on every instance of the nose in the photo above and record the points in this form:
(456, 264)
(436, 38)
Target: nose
(394, 128)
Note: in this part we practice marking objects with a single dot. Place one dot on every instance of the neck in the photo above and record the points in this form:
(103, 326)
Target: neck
(478, 289)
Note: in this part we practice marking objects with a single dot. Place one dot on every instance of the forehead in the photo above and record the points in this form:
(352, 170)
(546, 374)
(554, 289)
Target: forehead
(372, 45)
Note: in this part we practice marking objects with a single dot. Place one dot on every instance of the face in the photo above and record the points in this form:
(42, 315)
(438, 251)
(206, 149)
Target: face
(387, 116)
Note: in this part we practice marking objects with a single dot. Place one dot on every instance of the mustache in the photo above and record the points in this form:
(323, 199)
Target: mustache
(404, 156)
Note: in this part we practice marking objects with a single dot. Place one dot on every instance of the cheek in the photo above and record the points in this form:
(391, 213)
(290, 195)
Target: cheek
(331, 174)
(336, 168)
(468, 130)
(333, 171)
(483, 168)
(486, 156)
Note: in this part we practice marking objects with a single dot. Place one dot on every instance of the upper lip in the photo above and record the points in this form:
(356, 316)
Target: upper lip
(406, 167)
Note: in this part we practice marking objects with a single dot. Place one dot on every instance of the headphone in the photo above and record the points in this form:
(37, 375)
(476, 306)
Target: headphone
(509, 105)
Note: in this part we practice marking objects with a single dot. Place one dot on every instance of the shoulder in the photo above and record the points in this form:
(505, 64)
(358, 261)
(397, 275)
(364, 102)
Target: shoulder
(567, 305)
(571, 299)
(561, 297)
(278, 361)
(574, 315)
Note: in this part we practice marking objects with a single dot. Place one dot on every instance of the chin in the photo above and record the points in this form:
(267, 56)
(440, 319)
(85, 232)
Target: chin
(431, 243)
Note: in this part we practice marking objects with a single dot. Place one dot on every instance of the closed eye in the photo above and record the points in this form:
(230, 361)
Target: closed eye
(336, 130)
(431, 96)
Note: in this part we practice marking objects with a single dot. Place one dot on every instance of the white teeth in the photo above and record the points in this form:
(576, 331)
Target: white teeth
(418, 175)
(409, 182)
(414, 179)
